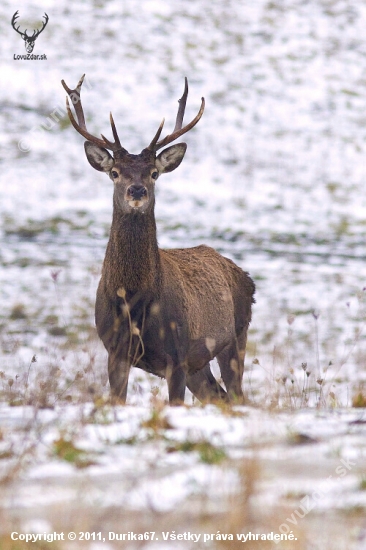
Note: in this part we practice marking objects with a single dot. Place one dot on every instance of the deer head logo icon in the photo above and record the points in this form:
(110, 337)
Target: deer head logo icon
(29, 40)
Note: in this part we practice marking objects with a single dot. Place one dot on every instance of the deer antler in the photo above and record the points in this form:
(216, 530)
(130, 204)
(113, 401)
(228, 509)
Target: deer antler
(24, 35)
(13, 21)
(178, 131)
(80, 125)
(38, 32)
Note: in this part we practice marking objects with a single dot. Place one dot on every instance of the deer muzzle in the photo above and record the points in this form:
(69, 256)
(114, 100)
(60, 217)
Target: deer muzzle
(136, 195)
(136, 192)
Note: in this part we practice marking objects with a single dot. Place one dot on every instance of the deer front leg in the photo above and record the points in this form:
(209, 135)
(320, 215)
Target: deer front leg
(118, 342)
(118, 372)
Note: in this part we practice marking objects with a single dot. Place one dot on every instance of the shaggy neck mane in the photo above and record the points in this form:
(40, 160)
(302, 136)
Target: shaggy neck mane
(132, 259)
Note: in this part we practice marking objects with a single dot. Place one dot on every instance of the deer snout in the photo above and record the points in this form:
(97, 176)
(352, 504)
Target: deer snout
(136, 192)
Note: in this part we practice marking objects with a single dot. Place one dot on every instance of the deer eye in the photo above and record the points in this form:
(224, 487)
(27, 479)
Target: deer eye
(114, 174)
(154, 175)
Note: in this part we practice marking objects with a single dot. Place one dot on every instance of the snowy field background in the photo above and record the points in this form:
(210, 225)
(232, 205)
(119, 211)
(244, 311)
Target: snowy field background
(273, 178)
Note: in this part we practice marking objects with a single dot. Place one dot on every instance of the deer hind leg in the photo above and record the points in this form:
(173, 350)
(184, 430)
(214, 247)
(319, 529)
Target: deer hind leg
(176, 379)
(231, 362)
(204, 386)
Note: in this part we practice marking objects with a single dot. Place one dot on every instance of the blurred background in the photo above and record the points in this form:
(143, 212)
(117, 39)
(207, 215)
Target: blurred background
(273, 177)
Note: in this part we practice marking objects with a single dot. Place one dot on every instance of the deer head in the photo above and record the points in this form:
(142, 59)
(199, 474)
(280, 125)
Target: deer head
(134, 176)
(29, 40)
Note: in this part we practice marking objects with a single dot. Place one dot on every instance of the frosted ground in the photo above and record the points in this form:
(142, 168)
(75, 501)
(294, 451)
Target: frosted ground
(273, 178)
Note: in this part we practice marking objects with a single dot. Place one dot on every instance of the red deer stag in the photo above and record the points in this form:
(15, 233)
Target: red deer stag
(168, 312)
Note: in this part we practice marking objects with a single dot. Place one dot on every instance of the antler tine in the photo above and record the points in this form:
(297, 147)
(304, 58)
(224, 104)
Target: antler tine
(80, 125)
(178, 130)
(182, 107)
(75, 94)
(114, 131)
(152, 146)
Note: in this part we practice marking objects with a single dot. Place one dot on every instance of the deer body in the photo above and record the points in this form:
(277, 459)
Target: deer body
(168, 312)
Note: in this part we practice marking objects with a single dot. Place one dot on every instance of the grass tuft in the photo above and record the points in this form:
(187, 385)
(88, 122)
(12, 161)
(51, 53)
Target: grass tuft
(208, 453)
(65, 449)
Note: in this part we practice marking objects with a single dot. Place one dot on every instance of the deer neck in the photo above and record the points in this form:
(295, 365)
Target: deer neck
(132, 258)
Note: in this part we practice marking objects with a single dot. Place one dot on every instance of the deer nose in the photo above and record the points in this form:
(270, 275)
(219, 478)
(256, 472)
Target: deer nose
(136, 192)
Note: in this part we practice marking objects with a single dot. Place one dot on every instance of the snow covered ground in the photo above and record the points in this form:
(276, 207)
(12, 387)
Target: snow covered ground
(273, 178)
(199, 470)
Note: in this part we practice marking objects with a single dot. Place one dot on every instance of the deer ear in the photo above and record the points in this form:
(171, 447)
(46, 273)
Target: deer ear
(170, 158)
(98, 157)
